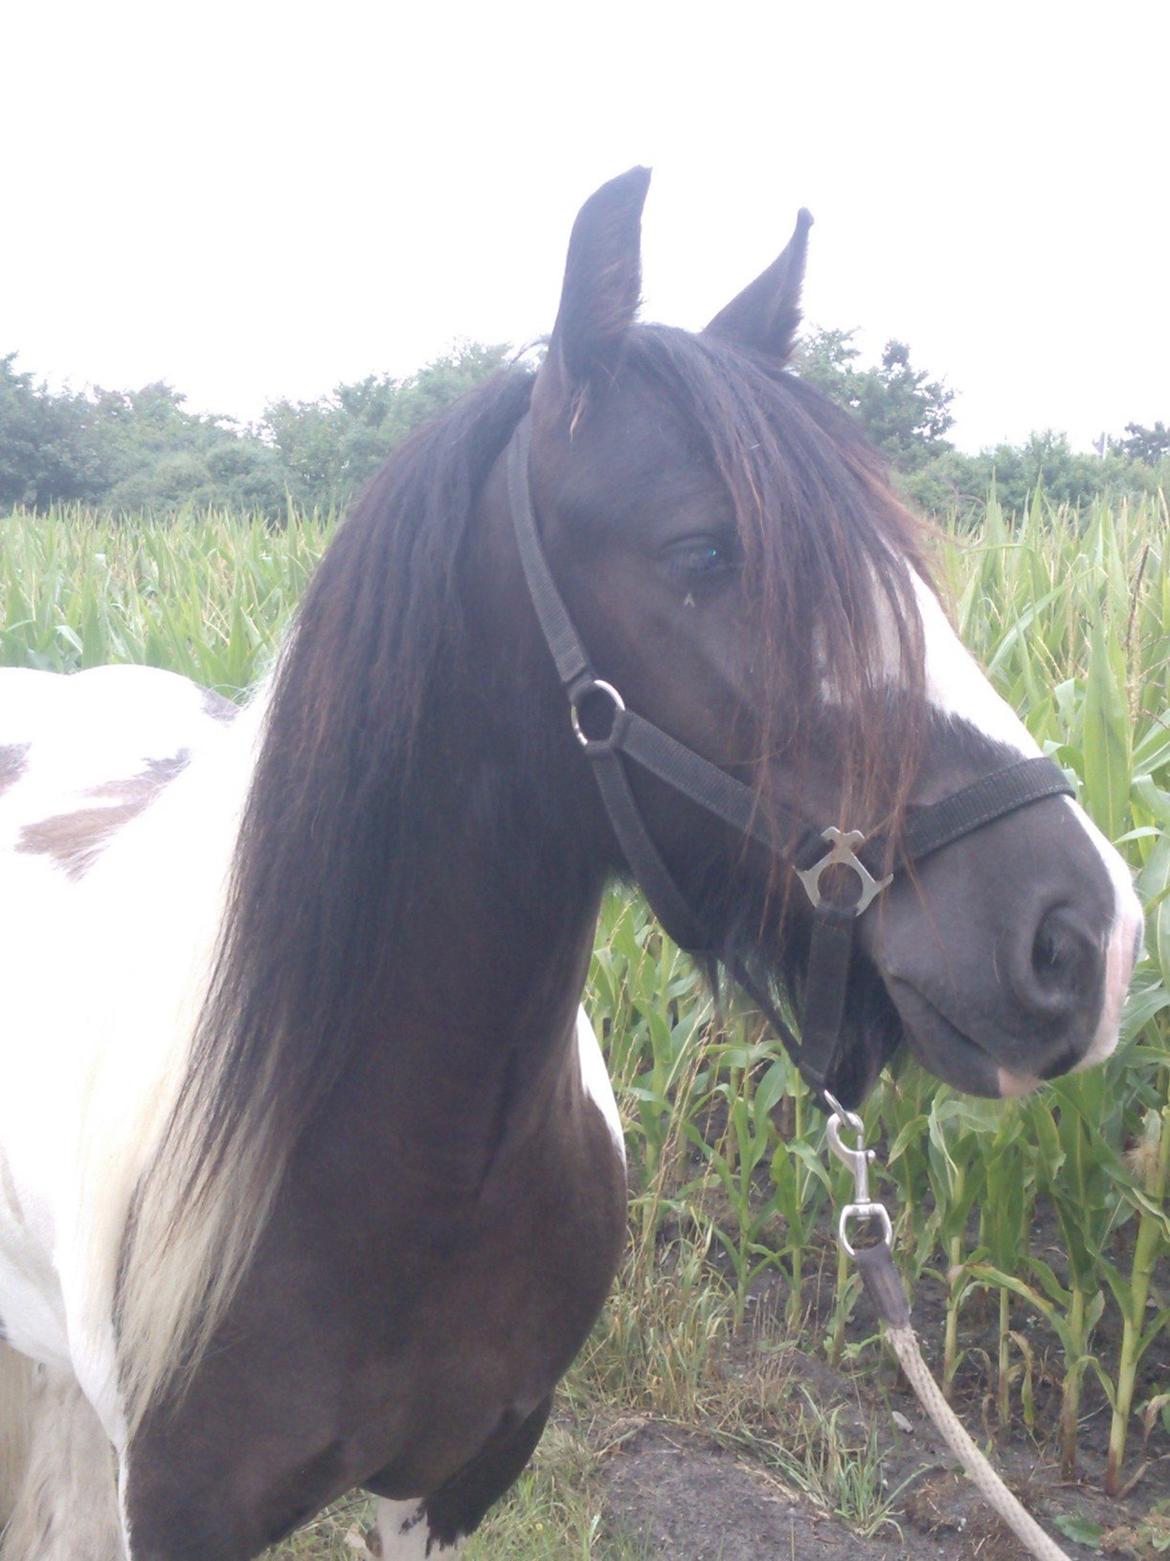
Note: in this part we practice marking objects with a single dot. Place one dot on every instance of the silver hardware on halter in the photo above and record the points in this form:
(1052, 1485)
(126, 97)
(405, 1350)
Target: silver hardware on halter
(595, 686)
(858, 1160)
(843, 853)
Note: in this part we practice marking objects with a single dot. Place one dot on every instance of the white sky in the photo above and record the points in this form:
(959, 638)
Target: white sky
(256, 200)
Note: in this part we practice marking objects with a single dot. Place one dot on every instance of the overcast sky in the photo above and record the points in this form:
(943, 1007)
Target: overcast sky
(263, 200)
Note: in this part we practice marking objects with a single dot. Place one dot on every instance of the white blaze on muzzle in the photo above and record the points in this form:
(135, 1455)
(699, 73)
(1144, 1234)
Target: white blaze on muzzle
(957, 687)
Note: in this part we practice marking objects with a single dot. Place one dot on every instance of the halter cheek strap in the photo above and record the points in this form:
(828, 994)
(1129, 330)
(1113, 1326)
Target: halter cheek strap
(811, 852)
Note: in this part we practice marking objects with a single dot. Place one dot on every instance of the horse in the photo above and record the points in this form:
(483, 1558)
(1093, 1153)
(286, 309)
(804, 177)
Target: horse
(311, 1176)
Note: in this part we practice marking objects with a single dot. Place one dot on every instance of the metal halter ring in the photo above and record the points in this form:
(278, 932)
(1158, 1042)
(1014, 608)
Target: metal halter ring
(578, 696)
(843, 853)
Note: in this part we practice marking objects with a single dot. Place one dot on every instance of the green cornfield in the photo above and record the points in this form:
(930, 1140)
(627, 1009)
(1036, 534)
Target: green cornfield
(1039, 1226)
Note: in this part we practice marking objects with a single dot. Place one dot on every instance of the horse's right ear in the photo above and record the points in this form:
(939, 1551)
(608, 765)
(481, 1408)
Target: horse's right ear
(601, 292)
(767, 313)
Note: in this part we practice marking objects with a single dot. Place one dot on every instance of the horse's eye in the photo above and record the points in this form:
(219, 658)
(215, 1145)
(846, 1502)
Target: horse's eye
(702, 558)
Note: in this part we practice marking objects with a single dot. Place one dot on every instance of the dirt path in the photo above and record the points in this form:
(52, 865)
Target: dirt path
(676, 1494)
(679, 1493)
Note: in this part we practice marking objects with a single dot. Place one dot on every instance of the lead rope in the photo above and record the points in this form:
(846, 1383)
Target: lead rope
(884, 1287)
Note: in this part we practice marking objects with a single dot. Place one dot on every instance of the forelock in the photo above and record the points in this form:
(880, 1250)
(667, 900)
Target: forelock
(828, 551)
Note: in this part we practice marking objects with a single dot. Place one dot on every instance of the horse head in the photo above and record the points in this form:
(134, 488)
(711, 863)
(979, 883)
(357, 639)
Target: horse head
(733, 558)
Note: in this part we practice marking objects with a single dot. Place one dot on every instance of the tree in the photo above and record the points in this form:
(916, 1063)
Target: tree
(904, 412)
(328, 448)
(907, 416)
(825, 358)
(1043, 463)
(142, 449)
(1149, 445)
(51, 450)
(162, 457)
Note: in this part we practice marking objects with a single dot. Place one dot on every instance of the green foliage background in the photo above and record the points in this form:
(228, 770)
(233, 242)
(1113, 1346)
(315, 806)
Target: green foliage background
(143, 451)
(907, 415)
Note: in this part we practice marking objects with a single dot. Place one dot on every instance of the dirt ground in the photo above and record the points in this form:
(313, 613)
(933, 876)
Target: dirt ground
(679, 1498)
(680, 1494)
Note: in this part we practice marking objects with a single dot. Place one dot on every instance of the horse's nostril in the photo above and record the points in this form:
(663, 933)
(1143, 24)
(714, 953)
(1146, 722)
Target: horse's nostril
(1061, 958)
(1051, 950)
(1064, 1062)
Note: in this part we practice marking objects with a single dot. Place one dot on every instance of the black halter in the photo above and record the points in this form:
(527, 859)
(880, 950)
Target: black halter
(927, 829)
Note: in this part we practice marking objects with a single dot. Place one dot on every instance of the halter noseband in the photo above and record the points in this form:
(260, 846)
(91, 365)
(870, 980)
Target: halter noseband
(926, 830)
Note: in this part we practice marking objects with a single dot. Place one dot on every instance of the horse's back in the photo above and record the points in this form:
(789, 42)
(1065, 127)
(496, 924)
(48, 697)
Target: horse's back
(79, 738)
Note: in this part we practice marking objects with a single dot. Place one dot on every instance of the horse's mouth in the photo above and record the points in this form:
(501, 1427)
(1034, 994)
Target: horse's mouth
(952, 1054)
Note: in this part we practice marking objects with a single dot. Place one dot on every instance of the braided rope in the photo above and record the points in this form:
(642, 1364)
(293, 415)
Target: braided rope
(884, 1287)
(982, 1475)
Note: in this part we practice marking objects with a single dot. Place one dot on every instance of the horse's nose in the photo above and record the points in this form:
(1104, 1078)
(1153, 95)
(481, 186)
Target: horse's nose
(1054, 974)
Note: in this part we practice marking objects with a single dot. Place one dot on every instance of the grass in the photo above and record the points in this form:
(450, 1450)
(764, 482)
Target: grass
(730, 1181)
(205, 594)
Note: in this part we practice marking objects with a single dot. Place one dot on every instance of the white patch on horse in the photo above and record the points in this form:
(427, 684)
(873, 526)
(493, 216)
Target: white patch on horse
(956, 685)
(596, 1081)
(218, 706)
(108, 1048)
(401, 1532)
(1119, 949)
(9, 1197)
(13, 763)
(75, 839)
(1012, 1085)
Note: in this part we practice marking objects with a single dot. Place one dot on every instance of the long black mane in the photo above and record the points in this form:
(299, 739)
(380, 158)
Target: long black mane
(335, 824)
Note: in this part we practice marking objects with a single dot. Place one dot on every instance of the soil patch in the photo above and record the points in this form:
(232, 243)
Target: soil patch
(679, 1493)
(674, 1495)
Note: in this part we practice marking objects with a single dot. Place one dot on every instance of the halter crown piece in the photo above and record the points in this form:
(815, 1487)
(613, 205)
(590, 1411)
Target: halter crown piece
(630, 737)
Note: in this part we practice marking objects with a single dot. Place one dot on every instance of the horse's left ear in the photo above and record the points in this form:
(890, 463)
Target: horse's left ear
(602, 287)
(766, 314)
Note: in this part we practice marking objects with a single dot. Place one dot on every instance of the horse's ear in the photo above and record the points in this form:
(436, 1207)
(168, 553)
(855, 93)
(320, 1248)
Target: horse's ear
(603, 279)
(766, 314)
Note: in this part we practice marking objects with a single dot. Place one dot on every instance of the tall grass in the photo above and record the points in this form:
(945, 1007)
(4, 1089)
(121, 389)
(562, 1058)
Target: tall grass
(205, 594)
(1071, 614)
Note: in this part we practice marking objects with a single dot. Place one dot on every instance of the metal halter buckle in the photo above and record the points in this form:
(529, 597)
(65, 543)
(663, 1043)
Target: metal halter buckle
(843, 853)
(577, 699)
